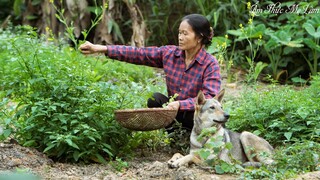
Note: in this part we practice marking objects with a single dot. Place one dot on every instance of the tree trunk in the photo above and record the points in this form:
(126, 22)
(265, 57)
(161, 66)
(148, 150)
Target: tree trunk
(78, 15)
(43, 16)
(48, 20)
(138, 25)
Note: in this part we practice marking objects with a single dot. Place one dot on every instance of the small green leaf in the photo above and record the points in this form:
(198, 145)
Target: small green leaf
(311, 30)
(298, 80)
(288, 135)
(204, 154)
(225, 167)
(76, 155)
(229, 145)
(296, 43)
(70, 143)
(49, 147)
(29, 143)
(100, 158)
(309, 122)
(303, 113)
(235, 32)
(257, 132)
(7, 121)
(311, 44)
(92, 138)
(107, 151)
(218, 169)
(54, 108)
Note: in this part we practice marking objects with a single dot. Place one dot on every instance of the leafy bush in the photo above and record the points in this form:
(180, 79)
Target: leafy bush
(66, 100)
(288, 50)
(299, 157)
(290, 160)
(280, 114)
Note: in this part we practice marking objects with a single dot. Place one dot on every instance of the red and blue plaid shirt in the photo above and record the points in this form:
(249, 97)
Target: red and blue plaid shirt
(203, 72)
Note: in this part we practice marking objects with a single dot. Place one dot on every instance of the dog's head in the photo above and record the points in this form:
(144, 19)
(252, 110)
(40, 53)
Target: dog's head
(209, 112)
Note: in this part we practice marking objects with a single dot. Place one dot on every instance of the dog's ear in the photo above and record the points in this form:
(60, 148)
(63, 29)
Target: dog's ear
(201, 99)
(220, 95)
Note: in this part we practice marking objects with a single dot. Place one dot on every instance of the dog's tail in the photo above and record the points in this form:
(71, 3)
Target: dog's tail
(258, 164)
(252, 164)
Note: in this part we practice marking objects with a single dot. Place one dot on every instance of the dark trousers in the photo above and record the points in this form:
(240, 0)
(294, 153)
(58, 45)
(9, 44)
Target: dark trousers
(184, 117)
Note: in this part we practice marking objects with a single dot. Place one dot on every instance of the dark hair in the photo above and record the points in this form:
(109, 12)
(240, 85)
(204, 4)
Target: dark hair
(200, 26)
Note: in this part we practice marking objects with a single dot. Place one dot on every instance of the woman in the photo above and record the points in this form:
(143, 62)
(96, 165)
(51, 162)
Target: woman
(188, 67)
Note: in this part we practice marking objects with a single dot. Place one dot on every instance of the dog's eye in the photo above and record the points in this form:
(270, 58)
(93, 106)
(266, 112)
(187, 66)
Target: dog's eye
(212, 107)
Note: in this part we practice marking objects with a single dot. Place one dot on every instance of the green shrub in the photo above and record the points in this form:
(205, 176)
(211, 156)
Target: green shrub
(66, 100)
(300, 157)
(280, 114)
(288, 50)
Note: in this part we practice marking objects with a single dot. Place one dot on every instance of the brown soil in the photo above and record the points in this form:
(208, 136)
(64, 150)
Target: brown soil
(23, 161)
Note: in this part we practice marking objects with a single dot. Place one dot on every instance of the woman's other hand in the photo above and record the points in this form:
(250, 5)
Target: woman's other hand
(174, 105)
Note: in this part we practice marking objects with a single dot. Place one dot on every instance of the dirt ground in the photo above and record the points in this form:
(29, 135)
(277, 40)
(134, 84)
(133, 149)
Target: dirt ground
(17, 161)
(15, 158)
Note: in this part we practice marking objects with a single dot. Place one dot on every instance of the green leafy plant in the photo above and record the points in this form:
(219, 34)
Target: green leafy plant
(280, 114)
(6, 113)
(219, 47)
(180, 138)
(223, 15)
(69, 26)
(119, 164)
(146, 142)
(66, 100)
(285, 47)
(312, 41)
(211, 150)
(253, 36)
(279, 44)
(171, 99)
(293, 159)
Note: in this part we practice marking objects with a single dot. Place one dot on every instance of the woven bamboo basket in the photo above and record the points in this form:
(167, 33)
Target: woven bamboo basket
(145, 119)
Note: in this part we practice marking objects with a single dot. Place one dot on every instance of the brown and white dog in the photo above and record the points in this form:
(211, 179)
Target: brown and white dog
(247, 148)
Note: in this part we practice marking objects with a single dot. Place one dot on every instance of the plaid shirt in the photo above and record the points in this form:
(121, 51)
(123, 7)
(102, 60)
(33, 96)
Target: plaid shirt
(202, 74)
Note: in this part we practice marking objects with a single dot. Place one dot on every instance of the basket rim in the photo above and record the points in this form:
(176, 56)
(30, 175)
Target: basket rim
(144, 110)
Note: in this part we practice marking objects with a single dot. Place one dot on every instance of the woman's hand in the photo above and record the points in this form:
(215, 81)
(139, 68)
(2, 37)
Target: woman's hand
(89, 48)
(174, 105)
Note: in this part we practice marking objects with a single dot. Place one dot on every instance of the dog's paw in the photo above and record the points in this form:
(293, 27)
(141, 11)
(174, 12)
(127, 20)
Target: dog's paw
(178, 163)
(173, 162)
(175, 157)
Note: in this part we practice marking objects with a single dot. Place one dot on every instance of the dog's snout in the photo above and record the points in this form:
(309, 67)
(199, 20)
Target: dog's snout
(226, 115)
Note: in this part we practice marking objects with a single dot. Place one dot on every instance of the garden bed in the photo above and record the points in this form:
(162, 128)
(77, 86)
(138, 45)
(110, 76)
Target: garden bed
(147, 164)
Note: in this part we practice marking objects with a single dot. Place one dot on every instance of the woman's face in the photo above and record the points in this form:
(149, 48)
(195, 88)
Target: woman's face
(187, 37)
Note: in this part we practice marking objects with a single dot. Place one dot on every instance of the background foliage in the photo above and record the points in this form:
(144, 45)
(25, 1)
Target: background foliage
(280, 114)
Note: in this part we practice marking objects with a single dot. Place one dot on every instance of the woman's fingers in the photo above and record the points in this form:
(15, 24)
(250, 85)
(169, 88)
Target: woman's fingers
(174, 105)
(85, 51)
(86, 48)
